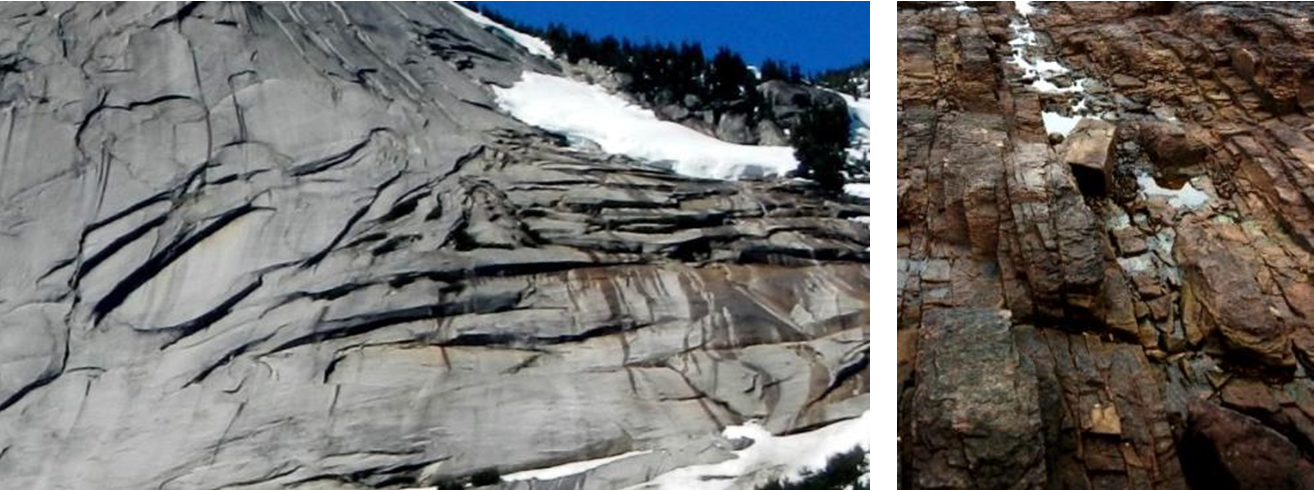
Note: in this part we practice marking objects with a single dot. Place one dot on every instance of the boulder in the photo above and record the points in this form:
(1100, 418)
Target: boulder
(1221, 295)
(733, 127)
(1089, 149)
(788, 101)
(977, 422)
(1242, 453)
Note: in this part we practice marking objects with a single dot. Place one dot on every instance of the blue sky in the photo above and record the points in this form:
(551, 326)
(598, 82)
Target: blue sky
(816, 35)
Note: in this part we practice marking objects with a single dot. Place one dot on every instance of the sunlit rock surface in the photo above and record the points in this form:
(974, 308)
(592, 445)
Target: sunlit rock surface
(294, 245)
(1148, 238)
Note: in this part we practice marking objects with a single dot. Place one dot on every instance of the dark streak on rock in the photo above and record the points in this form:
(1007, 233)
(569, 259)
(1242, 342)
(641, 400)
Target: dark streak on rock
(351, 222)
(156, 263)
(328, 162)
(241, 349)
(190, 327)
(113, 247)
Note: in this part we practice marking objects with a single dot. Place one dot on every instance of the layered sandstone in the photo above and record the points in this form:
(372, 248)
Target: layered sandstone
(1154, 264)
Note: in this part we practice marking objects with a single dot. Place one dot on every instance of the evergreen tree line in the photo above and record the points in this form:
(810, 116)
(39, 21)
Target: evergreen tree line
(772, 69)
(854, 80)
(667, 73)
(663, 73)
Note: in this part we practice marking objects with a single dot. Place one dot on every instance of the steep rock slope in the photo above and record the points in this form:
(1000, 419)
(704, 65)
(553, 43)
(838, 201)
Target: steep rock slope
(295, 245)
(1150, 263)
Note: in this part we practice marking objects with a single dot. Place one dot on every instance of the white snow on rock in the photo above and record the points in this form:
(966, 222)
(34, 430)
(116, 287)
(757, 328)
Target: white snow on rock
(789, 455)
(1036, 68)
(862, 190)
(860, 109)
(859, 140)
(581, 110)
(534, 45)
(1041, 71)
(1046, 86)
(1058, 123)
(1024, 7)
(1188, 197)
(1023, 37)
(568, 469)
(1139, 263)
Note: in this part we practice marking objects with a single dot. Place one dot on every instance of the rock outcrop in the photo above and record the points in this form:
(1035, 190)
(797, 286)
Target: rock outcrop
(787, 102)
(977, 416)
(1154, 265)
(295, 246)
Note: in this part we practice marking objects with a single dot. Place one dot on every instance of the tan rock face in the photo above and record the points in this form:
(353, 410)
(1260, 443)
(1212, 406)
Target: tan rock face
(1155, 264)
(1104, 420)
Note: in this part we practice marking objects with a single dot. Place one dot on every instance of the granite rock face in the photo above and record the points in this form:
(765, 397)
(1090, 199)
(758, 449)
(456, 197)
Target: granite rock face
(295, 246)
(1154, 267)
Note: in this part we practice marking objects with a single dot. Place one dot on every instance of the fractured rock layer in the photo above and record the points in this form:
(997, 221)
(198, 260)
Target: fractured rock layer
(1155, 264)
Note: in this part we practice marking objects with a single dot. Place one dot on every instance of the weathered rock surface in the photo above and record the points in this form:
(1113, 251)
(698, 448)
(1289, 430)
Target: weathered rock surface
(1248, 454)
(977, 418)
(1168, 329)
(293, 245)
(1089, 152)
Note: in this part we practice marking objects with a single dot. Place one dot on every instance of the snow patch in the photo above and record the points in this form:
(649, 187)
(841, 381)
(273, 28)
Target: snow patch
(791, 455)
(1188, 197)
(580, 110)
(1139, 263)
(859, 148)
(1045, 86)
(1041, 71)
(1024, 36)
(568, 469)
(1037, 68)
(862, 190)
(532, 44)
(1024, 7)
(859, 127)
(1058, 123)
(1118, 221)
(860, 109)
(1162, 244)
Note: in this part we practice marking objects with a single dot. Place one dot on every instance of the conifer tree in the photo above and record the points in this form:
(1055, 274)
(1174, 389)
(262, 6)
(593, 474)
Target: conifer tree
(772, 70)
(725, 75)
(819, 142)
(609, 52)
